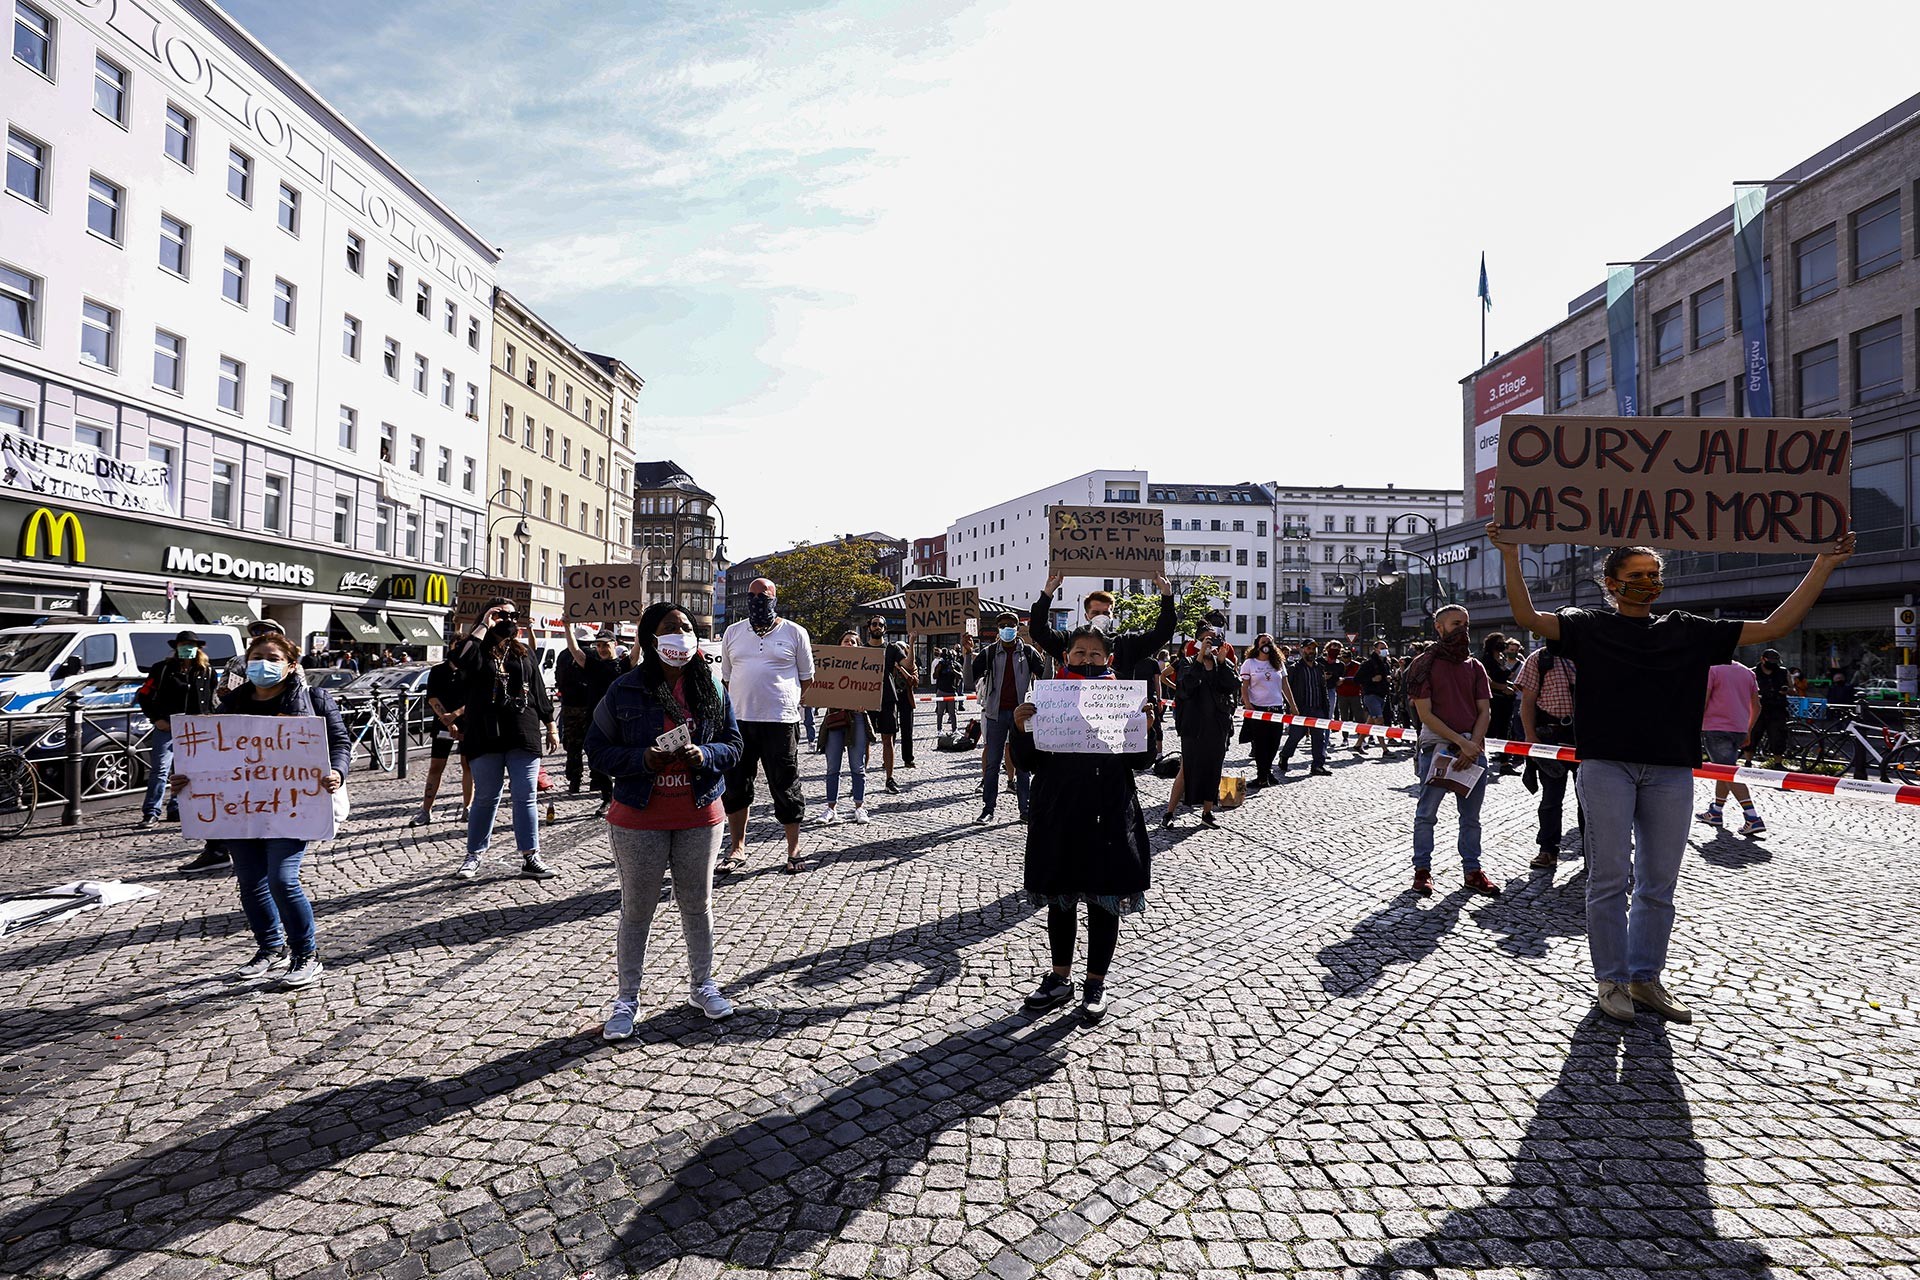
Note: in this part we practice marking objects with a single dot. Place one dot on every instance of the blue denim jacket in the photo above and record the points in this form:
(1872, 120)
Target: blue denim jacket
(629, 720)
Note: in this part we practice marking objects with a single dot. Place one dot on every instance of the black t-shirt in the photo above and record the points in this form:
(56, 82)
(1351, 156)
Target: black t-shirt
(1773, 687)
(445, 683)
(1642, 690)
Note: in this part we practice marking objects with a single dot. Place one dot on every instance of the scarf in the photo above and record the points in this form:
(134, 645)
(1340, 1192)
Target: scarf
(1453, 648)
(760, 612)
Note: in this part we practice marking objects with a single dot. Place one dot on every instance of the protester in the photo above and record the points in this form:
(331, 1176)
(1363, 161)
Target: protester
(666, 814)
(766, 661)
(1203, 714)
(1640, 701)
(1375, 678)
(1545, 682)
(1097, 608)
(1086, 843)
(180, 685)
(896, 701)
(1500, 673)
(948, 685)
(1450, 695)
(1308, 695)
(506, 717)
(1732, 719)
(268, 868)
(1263, 688)
(1774, 684)
(582, 679)
(444, 700)
(1004, 672)
(847, 734)
(1798, 680)
(1345, 673)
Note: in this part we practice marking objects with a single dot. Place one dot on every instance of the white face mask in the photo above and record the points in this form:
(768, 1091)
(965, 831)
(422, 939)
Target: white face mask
(676, 648)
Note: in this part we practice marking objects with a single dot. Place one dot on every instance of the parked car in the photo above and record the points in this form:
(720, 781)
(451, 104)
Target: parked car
(37, 662)
(113, 736)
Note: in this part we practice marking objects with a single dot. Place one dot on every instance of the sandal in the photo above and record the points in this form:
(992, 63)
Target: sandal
(793, 867)
(729, 864)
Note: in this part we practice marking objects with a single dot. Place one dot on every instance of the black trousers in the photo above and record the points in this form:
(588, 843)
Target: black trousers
(906, 729)
(1266, 742)
(1770, 731)
(1553, 779)
(1103, 935)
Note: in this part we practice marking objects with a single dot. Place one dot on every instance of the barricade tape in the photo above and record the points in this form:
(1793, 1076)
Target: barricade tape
(947, 697)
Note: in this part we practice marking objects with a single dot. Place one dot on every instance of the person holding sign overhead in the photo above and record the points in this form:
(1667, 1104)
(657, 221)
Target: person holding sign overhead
(1639, 703)
(1098, 608)
(507, 718)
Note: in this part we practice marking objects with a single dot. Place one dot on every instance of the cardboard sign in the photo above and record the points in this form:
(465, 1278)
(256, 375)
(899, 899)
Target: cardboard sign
(1090, 717)
(846, 675)
(253, 777)
(1096, 542)
(942, 611)
(604, 593)
(1701, 484)
(475, 592)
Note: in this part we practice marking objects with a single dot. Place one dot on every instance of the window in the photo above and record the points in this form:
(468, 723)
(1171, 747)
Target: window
(1669, 334)
(444, 472)
(1816, 376)
(1260, 559)
(1710, 315)
(473, 332)
(563, 508)
(273, 504)
(1175, 523)
(394, 279)
(439, 541)
(1880, 510)
(389, 439)
(289, 210)
(547, 442)
(473, 401)
(422, 299)
(103, 208)
(1349, 524)
(33, 38)
(356, 254)
(233, 385)
(280, 403)
(349, 428)
(382, 527)
(162, 454)
(509, 359)
(1711, 402)
(220, 501)
(416, 455)
(546, 503)
(343, 519)
(283, 312)
(566, 451)
(420, 374)
(239, 175)
(1816, 271)
(1594, 369)
(179, 141)
(446, 388)
(411, 525)
(233, 279)
(506, 422)
(467, 474)
(526, 432)
(599, 470)
(98, 439)
(453, 317)
(543, 565)
(390, 359)
(110, 90)
(549, 386)
(531, 379)
(466, 548)
(168, 351)
(1670, 408)
(19, 304)
(1876, 362)
(175, 237)
(1240, 557)
(586, 416)
(1326, 524)
(1876, 236)
(27, 168)
(97, 325)
(567, 399)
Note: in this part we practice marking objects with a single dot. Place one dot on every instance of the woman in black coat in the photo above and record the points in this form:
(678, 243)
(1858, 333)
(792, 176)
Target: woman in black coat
(1086, 841)
(1203, 713)
(506, 721)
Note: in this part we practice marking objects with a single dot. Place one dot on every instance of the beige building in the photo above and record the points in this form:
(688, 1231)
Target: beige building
(559, 454)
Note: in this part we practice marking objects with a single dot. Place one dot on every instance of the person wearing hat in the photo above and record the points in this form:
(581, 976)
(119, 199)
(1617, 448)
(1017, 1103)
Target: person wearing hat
(1770, 730)
(182, 685)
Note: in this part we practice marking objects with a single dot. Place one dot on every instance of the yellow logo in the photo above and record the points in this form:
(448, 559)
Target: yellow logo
(436, 588)
(400, 586)
(57, 528)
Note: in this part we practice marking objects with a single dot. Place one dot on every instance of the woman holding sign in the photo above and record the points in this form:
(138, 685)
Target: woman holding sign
(1203, 713)
(507, 708)
(1086, 841)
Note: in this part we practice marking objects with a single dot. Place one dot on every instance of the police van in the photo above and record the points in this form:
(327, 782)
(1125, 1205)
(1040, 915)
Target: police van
(38, 661)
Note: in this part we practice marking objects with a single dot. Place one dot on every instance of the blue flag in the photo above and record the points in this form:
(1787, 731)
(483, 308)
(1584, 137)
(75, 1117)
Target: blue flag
(1486, 294)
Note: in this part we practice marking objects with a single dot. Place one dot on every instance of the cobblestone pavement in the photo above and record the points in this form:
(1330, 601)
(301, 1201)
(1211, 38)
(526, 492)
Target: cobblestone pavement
(1307, 1071)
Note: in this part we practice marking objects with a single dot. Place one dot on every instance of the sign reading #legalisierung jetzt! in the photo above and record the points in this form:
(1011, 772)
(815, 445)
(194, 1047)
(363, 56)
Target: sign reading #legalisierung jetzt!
(1702, 484)
(1095, 542)
(253, 777)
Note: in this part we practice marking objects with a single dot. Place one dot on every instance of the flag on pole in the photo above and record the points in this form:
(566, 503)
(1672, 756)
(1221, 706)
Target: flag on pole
(1486, 294)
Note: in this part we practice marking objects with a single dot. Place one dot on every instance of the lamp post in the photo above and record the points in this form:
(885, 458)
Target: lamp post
(522, 535)
(699, 536)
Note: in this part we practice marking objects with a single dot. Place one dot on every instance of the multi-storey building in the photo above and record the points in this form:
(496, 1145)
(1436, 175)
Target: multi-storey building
(930, 556)
(242, 352)
(890, 562)
(679, 532)
(554, 456)
(1331, 540)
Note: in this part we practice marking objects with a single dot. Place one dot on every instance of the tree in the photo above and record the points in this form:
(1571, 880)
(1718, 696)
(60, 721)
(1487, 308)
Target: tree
(1376, 612)
(819, 585)
(1139, 612)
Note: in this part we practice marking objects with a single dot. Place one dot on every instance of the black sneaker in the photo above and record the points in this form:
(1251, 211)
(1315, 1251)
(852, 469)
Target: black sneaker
(986, 816)
(264, 961)
(1319, 771)
(149, 821)
(303, 970)
(893, 788)
(1052, 992)
(1093, 1000)
(533, 869)
(208, 860)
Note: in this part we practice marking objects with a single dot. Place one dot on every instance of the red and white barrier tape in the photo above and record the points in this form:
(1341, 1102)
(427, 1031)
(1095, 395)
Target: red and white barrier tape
(947, 697)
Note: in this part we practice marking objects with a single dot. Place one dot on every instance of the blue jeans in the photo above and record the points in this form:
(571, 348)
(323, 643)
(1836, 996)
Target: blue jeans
(276, 906)
(1376, 708)
(853, 742)
(1295, 732)
(807, 719)
(489, 772)
(998, 724)
(1637, 817)
(1427, 812)
(159, 769)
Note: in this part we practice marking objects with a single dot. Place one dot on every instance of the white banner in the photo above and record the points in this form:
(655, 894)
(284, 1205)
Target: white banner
(253, 777)
(72, 473)
(1090, 717)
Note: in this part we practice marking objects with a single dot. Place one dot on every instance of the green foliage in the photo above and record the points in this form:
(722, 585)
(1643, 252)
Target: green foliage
(1136, 613)
(1377, 612)
(819, 585)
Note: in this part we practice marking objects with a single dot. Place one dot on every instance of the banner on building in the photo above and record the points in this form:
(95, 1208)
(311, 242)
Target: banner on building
(1623, 341)
(1700, 484)
(1093, 542)
(1517, 384)
(253, 777)
(846, 675)
(941, 611)
(72, 473)
(475, 592)
(1750, 285)
(605, 593)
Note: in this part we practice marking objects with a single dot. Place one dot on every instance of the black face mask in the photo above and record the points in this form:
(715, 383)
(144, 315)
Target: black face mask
(500, 632)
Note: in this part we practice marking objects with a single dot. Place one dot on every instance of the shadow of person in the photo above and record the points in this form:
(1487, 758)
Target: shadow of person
(1401, 932)
(1728, 850)
(1528, 917)
(1608, 1175)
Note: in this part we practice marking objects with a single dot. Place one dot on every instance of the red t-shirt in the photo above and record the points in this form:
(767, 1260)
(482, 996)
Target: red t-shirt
(670, 807)
(1456, 689)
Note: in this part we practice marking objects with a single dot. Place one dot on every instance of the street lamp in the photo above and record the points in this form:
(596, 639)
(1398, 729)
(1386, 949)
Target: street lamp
(671, 572)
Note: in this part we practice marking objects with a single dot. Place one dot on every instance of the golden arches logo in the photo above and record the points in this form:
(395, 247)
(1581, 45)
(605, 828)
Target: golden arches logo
(400, 586)
(58, 529)
(437, 592)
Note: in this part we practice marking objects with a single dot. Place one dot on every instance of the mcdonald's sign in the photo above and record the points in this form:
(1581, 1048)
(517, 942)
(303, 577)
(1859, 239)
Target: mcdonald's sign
(401, 586)
(437, 589)
(57, 529)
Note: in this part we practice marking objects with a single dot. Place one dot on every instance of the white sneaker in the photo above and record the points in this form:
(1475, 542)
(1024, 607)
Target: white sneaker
(470, 868)
(860, 814)
(707, 999)
(829, 814)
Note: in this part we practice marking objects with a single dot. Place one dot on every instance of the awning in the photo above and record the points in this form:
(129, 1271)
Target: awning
(136, 607)
(44, 597)
(215, 611)
(363, 628)
(413, 629)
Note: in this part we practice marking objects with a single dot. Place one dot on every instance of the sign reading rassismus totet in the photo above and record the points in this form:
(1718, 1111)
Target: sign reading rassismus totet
(1119, 541)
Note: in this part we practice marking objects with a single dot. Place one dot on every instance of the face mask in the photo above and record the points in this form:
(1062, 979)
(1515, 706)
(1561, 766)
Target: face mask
(760, 610)
(503, 630)
(1266, 650)
(1639, 592)
(188, 651)
(265, 673)
(1103, 624)
(1009, 634)
(1090, 671)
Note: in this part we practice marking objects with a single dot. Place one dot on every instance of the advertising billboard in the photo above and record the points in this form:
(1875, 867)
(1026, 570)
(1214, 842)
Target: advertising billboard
(1518, 384)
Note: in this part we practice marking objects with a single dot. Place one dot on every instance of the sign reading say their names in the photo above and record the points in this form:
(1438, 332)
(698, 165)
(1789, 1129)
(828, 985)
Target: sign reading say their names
(475, 592)
(1702, 484)
(1090, 717)
(1098, 542)
(605, 593)
(942, 611)
(253, 777)
(846, 675)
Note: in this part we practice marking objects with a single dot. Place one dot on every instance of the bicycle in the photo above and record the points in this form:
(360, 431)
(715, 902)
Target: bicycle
(19, 792)
(1847, 745)
(375, 732)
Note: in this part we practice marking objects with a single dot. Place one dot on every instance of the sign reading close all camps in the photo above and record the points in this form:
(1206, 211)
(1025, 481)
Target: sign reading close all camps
(605, 593)
(941, 611)
(1099, 542)
(1699, 484)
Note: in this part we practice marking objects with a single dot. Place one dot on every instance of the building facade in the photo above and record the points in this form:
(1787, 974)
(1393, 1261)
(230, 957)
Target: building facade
(554, 458)
(241, 350)
(1331, 541)
(891, 556)
(1841, 311)
(930, 556)
(680, 535)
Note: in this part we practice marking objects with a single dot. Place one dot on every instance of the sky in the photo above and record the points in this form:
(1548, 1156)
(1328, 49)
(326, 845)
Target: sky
(883, 264)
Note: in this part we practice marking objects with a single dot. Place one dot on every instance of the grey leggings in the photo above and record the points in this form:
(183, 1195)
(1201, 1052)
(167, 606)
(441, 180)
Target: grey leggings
(643, 857)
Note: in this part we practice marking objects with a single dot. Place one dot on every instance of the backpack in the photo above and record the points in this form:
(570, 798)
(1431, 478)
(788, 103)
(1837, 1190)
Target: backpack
(1167, 766)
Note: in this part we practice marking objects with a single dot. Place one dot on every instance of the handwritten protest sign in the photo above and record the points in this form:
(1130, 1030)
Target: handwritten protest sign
(846, 675)
(1090, 717)
(941, 611)
(605, 593)
(475, 592)
(1122, 542)
(1703, 484)
(253, 777)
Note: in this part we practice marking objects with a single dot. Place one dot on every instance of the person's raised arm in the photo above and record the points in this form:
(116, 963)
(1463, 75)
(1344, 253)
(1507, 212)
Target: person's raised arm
(1519, 599)
(1792, 611)
(1040, 628)
(573, 643)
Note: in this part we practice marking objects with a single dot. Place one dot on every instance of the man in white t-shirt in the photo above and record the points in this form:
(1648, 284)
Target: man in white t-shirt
(765, 661)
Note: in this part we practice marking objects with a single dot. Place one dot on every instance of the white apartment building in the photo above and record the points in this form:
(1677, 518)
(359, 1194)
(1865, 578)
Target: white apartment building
(1330, 541)
(219, 293)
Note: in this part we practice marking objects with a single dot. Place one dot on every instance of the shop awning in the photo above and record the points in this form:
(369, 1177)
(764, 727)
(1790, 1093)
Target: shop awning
(218, 612)
(361, 627)
(413, 629)
(43, 597)
(135, 606)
